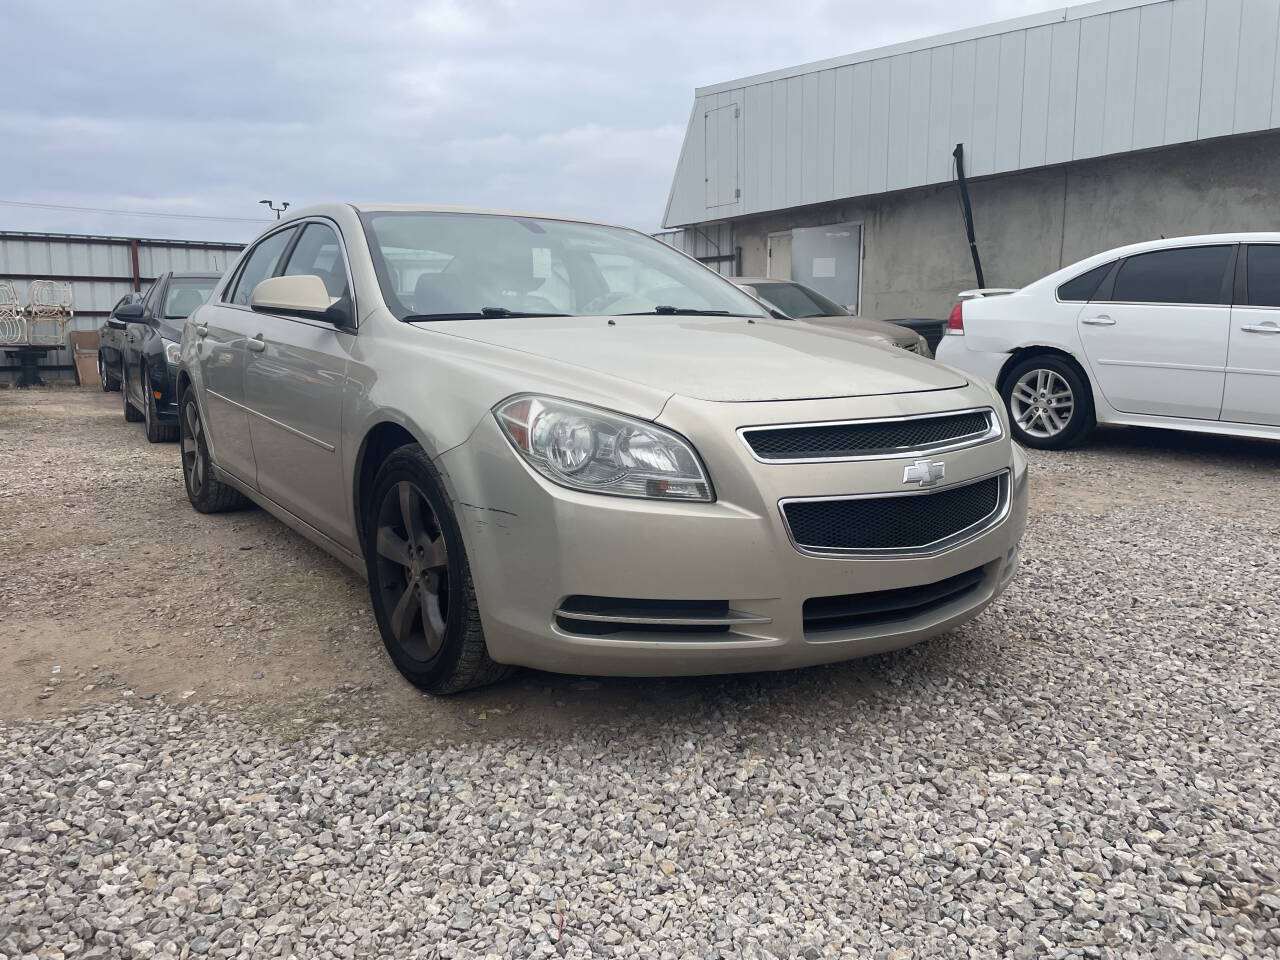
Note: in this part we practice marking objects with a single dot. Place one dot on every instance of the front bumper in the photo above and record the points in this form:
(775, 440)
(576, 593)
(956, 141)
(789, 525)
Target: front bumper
(533, 545)
(164, 381)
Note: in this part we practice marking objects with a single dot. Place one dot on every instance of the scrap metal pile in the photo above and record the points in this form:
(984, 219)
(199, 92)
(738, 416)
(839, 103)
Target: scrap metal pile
(43, 321)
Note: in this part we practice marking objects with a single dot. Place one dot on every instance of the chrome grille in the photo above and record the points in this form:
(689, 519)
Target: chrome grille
(859, 439)
(897, 523)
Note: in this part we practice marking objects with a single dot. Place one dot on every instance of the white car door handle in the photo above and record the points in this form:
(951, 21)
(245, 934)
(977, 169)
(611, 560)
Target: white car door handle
(1267, 327)
(1102, 321)
(201, 330)
(257, 344)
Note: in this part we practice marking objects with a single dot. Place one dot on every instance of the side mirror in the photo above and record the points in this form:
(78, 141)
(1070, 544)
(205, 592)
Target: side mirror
(130, 312)
(303, 295)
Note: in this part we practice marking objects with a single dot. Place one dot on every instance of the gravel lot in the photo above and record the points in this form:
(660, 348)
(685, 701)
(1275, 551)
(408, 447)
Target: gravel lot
(203, 751)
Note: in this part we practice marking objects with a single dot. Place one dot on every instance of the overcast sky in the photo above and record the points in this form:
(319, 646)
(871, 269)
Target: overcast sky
(554, 105)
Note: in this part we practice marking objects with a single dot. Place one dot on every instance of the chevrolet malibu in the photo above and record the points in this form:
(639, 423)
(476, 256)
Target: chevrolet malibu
(565, 445)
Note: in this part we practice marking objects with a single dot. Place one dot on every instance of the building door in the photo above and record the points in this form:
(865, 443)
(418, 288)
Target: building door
(779, 256)
(829, 259)
(1158, 343)
(1252, 393)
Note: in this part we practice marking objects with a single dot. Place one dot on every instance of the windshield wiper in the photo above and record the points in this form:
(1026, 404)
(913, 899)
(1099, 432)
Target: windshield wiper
(663, 309)
(482, 313)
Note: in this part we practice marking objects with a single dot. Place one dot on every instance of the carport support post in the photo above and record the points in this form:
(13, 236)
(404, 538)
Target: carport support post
(137, 276)
(958, 154)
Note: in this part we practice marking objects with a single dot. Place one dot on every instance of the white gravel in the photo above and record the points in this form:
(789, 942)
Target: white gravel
(1090, 769)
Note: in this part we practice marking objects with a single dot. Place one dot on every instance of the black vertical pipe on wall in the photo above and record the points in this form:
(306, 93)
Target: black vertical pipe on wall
(958, 154)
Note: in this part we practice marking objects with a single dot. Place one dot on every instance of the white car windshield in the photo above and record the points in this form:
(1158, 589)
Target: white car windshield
(458, 266)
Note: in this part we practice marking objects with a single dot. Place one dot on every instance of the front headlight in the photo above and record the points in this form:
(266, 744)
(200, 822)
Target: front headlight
(172, 351)
(586, 448)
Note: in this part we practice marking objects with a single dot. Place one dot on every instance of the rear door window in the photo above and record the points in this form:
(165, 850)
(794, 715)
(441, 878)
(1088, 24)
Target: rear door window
(1191, 275)
(1082, 288)
(1263, 276)
(261, 264)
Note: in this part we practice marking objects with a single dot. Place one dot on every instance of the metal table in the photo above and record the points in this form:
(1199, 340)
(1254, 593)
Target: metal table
(29, 358)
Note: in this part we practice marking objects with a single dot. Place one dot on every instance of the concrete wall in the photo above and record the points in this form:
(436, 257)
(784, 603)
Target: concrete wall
(915, 258)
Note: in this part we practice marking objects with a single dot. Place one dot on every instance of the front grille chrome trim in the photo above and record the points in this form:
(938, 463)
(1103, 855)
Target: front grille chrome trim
(731, 618)
(994, 431)
(959, 538)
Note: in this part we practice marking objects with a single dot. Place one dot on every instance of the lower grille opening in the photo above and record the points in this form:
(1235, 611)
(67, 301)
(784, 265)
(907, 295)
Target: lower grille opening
(603, 616)
(883, 607)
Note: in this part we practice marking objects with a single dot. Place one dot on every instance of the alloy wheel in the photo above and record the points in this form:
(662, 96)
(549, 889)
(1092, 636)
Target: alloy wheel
(102, 374)
(412, 569)
(1042, 403)
(193, 465)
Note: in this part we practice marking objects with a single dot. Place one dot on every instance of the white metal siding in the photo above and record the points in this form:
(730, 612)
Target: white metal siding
(1070, 84)
(109, 262)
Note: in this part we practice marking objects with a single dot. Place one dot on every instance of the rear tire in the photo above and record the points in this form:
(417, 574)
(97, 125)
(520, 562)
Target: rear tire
(420, 581)
(207, 494)
(157, 432)
(1049, 401)
(131, 413)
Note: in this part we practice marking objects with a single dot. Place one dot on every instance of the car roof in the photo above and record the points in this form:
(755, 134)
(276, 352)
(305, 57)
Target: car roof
(761, 280)
(331, 209)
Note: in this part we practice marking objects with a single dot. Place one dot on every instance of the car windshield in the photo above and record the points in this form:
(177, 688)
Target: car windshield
(185, 294)
(797, 300)
(457, 266)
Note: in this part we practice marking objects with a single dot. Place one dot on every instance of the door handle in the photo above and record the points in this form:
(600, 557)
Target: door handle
(1260, 328)
(257, 344)
(201, 330)
(1101, 321)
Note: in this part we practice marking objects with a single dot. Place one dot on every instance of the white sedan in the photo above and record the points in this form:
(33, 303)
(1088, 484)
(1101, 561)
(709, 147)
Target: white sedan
(1181, 333)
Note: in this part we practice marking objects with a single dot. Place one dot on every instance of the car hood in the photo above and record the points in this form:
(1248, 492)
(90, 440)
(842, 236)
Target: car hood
(868, 328)
(716, 358)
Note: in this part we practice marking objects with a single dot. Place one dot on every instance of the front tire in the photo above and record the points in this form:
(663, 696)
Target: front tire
(420, 581)
(207, 494)
(157, 432)
(1049, 401)
(108, 382)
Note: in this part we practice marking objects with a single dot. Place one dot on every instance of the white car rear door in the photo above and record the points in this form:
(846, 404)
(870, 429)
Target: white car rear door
(1156, 336)
(1252, 393)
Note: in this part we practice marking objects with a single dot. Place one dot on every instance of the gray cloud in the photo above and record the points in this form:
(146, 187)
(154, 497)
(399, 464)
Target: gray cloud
(548, 105)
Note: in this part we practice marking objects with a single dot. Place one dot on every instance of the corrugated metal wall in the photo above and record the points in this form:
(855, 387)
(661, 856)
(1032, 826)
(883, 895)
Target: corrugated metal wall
(711, 243)
(100, 270)
(1073, 83)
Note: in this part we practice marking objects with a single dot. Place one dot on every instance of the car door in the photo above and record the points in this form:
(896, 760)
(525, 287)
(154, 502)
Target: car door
(133, 336)
(111, 337)
(1156, 334)
(1252, 393)
(222, 329)
(295, 375)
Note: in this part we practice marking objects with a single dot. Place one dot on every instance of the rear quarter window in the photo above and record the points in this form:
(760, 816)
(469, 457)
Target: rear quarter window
(1082, 288)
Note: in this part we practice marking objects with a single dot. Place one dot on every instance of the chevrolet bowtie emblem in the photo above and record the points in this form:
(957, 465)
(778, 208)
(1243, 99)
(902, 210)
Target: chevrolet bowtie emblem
(925, 472)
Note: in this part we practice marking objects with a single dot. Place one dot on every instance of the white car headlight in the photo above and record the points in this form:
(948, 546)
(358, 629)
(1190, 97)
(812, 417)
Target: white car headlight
(586, 448)
(172, 351)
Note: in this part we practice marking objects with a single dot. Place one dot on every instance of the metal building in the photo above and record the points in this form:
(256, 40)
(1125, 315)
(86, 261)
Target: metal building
(101, 271)
(1082, 128)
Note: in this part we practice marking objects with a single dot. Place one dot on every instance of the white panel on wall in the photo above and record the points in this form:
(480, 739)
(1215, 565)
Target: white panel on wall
(1091, 87)
(1037, 63)
(1152, 78)
(825, 172)
(918, 117)
(810, 125)
(842, 134)
(1186, 60)
(980, 155)
(878, 132)
(899, 117)
(757, 121)
(1122, 78)
(963, 70)
(1060, 137)
(795, 141)
(1218, 78)
(860, 155)
(1255, 75)
(938, 166)
(778, 131)
(1008, 139)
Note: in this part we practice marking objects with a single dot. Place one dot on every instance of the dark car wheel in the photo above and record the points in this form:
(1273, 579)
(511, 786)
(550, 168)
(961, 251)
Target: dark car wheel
(1049, 402)
(420, 581)
(207, 494)
(157, 432)
(131, 413)
(108, 382)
